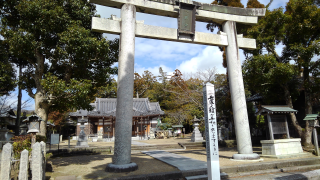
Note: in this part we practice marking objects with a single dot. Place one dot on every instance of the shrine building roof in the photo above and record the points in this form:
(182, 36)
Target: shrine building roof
(106, 107)
(271, 109)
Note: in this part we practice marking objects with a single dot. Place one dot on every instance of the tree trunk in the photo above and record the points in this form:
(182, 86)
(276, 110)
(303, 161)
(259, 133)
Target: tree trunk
(308, 130)
(42, 109)
(305, 135)
(306, 138)
(19, 104)
(308, 108)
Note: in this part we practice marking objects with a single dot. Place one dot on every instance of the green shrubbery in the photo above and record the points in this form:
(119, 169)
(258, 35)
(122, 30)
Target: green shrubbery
(24, 142)
(20, 143)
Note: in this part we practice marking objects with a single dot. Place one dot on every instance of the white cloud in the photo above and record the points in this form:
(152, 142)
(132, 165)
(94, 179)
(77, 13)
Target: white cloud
(208, 58)
(156, 51)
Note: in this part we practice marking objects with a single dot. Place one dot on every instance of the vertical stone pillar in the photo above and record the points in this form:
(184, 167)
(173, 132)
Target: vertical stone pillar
(6, 155)
(239, 106)
(121, 161)
(44, 161)
(209, 105)
(24, 164)
(36, 165)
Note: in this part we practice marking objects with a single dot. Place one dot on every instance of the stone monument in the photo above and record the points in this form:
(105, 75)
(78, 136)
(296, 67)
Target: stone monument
(23, 129)
(196, 135)
(152, 136)
(82, 140)
(3, 135)
(210, 119)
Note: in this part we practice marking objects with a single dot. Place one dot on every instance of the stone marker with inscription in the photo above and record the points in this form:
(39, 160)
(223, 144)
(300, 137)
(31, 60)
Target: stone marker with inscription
(211, 132)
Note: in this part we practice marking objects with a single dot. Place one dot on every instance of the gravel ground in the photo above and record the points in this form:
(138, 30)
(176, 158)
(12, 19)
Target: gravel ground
(93, 166)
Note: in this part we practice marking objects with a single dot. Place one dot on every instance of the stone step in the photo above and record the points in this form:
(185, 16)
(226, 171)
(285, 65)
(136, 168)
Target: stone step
(300, 175)
(258, 173)
(269, 171)
(290, 165)
(204, 177)
(271, 165)
(199, 177)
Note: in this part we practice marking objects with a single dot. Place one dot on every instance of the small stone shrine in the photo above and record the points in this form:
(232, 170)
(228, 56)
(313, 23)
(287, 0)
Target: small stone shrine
(82, 140)
(313, 121)
(196, 135)
(278, 126)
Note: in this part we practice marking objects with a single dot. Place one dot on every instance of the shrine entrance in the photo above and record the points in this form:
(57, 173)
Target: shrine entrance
(186, 12)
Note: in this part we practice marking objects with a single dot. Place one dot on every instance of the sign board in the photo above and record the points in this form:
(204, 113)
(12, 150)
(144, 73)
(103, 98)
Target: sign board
(279, 127)
(54, 139)
(211, 132)
(278, 124)
(187, 17)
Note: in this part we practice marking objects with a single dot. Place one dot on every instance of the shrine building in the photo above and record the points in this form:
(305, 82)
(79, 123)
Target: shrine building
(101, 120)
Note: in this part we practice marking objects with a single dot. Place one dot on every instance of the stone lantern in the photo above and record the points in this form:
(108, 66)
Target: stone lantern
(313, 120)
(33, 123)
(196, 135)
(82, 140)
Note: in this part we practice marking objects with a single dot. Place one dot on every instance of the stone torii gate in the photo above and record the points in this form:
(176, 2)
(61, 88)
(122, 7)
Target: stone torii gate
(187, 11)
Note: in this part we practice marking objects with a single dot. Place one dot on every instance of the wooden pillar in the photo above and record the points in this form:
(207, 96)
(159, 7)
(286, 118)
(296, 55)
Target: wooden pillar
(113, 119)
(102, 127)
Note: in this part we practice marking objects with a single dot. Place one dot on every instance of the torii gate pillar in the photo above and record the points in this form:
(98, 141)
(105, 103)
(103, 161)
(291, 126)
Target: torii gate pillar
(239, 106)
(121, 161)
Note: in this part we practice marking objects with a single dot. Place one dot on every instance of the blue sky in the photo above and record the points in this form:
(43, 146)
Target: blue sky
(188, 58)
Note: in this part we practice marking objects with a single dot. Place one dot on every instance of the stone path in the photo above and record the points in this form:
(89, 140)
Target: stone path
(136, 143)
(181, 162)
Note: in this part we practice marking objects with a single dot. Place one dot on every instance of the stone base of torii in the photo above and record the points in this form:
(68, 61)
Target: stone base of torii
(128, 29)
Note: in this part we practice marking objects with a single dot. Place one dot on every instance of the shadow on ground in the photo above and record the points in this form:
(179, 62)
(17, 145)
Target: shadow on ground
(93, 166)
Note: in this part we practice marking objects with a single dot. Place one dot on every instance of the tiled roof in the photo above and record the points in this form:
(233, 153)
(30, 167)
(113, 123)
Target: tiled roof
(255, 97)
(311, 117)
(32, 117)
(107, 107)
(5, 112)
(270, 109)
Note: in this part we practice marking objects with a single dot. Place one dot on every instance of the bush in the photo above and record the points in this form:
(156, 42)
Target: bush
(41, 138)
(20, 143)
(24, 142)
